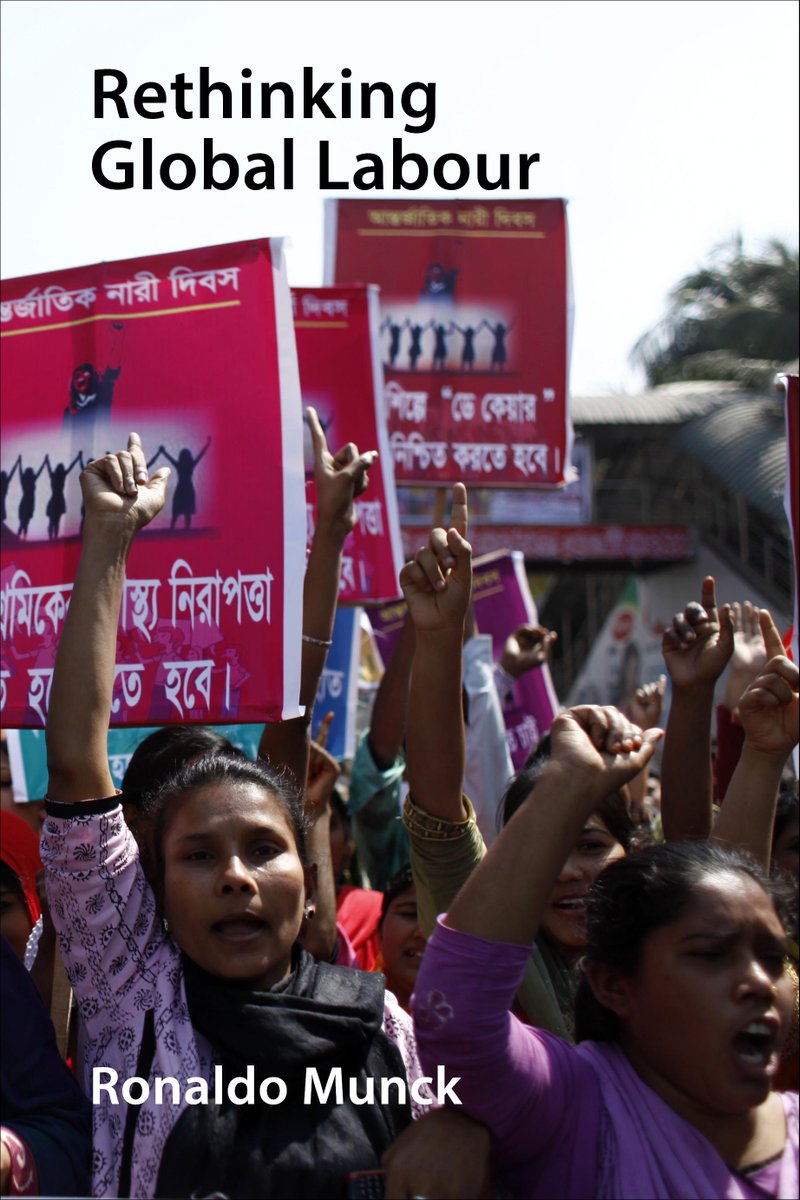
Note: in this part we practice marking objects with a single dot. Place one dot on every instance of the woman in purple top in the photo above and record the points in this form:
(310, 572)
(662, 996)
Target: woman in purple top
(685, 999)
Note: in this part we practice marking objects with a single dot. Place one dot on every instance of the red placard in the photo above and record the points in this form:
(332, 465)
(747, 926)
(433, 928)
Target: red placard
(195, 351)
(791, 500)
(340, 376)
(475, 333)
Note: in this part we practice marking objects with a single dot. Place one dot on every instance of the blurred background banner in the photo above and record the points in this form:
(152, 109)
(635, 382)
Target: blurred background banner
(341, 377)
(502, 601)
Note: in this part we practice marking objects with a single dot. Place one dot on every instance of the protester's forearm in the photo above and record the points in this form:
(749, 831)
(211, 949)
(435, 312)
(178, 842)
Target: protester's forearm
(687, 787)
(637, 792)
(387, 728)
(83, 679)
(503, 900)
(435, 739)
(320, 597)
(747, 815)
(320, 937)
(285, 744)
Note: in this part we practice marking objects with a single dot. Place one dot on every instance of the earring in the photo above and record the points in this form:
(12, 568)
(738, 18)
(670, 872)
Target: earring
(308, 912)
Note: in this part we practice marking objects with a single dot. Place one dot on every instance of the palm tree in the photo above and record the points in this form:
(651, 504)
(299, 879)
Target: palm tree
(735, 319)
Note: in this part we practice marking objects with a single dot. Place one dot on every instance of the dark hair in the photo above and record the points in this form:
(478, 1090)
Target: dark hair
(164, 752)
(11, 880)
(520, 785)
(204, 772)
(612, 809)
(400, 882)
(635, 896)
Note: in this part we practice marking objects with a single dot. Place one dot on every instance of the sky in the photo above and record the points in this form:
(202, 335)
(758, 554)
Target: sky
(668, 127)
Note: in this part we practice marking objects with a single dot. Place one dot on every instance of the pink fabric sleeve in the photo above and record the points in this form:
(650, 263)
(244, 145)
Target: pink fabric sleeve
(398, 1026)
(345, 954)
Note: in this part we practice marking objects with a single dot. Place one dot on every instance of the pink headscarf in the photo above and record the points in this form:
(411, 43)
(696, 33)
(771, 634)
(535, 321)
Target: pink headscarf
(19, 850)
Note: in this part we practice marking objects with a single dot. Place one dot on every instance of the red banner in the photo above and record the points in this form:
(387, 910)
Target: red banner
(475, 337)
(195, 351)
(791, 501)
(340, 376)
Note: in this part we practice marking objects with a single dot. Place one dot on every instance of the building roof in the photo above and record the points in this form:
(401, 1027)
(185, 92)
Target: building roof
(669, 404)
(737, 434)
(744, 443)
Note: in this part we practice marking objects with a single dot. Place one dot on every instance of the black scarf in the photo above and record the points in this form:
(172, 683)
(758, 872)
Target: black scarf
(320, 1016)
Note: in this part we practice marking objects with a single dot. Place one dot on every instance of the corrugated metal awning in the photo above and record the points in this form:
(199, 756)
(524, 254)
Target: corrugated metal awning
(669, 404)
(744, 443)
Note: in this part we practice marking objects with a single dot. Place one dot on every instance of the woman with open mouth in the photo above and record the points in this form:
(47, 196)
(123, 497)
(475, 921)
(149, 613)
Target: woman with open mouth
(191, 977)
(685, 998)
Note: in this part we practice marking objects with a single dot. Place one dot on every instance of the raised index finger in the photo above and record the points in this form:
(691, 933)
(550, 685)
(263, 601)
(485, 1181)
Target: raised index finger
(709, 596)
(770, 634)
(318, 439)
(460, 514)
(138, 460)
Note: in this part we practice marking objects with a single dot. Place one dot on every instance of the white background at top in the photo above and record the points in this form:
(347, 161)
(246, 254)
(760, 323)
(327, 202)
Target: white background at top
(668, 127)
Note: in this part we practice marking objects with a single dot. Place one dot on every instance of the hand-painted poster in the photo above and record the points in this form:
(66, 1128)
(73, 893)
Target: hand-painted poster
(502, 601)
(475, 330)
(340, 376)
(195, 351)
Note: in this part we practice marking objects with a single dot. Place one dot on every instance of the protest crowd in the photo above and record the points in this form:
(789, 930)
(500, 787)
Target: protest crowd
(425, 975)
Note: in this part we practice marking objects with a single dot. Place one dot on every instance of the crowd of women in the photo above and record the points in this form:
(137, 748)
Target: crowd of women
(602, 1003)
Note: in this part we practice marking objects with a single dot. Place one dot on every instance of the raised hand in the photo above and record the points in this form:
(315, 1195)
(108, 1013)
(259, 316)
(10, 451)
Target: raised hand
(749, 653)
(526, 648)
(324, 729)
(323, 771)
(339, 478)
(602, 744)
(118, 486)
(645, 707)
(768, 709)
(699, 642)
(438, 581)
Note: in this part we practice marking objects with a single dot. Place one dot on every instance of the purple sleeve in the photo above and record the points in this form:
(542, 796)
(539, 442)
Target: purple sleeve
(535, 1095)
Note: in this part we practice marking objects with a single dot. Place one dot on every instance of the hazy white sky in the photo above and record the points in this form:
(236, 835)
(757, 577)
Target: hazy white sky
(668, 127)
